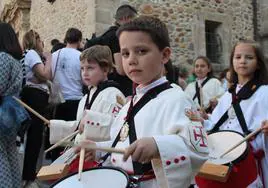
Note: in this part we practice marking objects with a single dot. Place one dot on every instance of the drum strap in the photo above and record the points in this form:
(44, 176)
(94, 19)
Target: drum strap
(101, 86)
(245, 92)
(197, 89)
(139, 168)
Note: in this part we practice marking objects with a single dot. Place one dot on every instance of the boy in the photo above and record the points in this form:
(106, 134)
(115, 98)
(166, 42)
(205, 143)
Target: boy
(98, 108)
(163, 147)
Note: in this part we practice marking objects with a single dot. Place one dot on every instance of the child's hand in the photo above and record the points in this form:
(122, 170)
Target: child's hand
(89, 154)
(142, 150)
(213, 103)
(264, 126)
(194, 115)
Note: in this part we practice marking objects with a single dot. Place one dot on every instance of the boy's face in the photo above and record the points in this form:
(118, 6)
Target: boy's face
(92, 73)
(142, 60)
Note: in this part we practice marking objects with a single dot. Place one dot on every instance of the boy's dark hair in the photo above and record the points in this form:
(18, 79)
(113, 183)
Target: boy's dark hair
(9, 42)
(101, 54)
(53, 42)
(126, 11)
(208, 62)
(58, 46)
(154, 27)
(73, 35)
(261, 73)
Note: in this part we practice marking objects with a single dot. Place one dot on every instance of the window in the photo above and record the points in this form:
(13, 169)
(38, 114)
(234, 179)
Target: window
(214, 48)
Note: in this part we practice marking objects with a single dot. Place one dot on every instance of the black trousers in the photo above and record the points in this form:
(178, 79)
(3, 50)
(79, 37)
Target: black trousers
(36, 99)
(65, 111)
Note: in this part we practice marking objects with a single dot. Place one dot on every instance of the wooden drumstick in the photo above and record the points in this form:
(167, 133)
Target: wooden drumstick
(59, 143)
(81, 163)
(31, 110)
(242, 141)
(90, 147)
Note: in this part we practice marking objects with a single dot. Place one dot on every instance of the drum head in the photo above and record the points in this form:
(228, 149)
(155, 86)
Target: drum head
(101, 177)
(222, 141)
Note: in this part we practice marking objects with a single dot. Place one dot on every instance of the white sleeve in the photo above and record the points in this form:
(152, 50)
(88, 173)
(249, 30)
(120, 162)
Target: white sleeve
(181, 156)
(183, 149)
(99, 120)
(32, 58)
(59, 129)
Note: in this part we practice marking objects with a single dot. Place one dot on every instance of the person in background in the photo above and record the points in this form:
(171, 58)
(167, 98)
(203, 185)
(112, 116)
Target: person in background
(66, 71)
(124, 14)
(225, 79)
(206, 89)
(12, 115)
(35, 94)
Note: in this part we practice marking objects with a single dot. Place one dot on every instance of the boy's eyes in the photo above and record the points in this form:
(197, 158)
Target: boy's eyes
(137, 51)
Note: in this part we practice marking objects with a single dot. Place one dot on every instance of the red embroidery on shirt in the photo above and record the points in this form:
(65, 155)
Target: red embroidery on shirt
(198, 136)
(116, 109)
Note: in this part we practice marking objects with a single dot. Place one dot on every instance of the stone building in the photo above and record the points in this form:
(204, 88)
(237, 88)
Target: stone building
(197, 27)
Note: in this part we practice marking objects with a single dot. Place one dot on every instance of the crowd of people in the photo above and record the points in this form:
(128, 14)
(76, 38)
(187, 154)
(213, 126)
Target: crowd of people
(121, 90)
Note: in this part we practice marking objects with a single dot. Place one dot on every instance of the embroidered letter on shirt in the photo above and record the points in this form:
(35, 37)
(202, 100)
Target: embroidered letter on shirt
(198, 139)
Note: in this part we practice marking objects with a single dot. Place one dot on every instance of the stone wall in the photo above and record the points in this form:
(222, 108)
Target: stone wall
(53, 20)
(185, 20)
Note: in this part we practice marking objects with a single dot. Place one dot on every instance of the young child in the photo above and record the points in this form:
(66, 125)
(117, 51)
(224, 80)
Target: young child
(162, 147)
(98, 108)
(206, 89)
(249, 90)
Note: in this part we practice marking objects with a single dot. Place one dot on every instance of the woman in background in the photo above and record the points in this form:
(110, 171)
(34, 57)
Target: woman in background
(11, 114)
(35, 94)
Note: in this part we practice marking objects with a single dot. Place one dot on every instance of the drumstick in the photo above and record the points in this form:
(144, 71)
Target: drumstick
(59, 143)
(90, 147)
(81, 163)
(242, 141)
(31, 110)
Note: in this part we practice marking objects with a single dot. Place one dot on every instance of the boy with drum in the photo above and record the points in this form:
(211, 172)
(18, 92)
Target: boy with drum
(242, 109)
(98, 108)
(163, 147)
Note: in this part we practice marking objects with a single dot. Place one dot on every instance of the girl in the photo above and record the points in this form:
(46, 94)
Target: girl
(35, 94)
(249, 91)
(206, 89)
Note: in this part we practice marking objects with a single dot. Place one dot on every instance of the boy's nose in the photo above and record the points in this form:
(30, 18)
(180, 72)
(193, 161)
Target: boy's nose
(132, 60)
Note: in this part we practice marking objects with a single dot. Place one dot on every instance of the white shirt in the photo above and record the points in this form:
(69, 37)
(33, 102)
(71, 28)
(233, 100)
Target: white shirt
(163, 119)
(68, 73)
(212, 89)
(31, 59)
(98, 119)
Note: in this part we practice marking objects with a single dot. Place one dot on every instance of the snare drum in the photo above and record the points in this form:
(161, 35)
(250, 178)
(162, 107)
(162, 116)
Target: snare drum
(241, 160)
(101, 177)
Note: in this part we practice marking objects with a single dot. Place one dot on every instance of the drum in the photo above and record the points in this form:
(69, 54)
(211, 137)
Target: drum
(101, 177)
(241, 160)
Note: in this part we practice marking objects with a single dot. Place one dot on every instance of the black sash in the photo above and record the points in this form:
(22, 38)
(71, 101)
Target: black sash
(139, 168)
(245, 93)
(101, 86)
(197, 89)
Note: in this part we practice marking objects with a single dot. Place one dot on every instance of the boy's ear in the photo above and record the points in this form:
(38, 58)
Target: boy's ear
(166, 52)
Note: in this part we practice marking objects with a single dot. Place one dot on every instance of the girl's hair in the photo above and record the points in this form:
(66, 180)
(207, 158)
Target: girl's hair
(260, 74)
(9, 42)
(101, 54)
(208, 62)
(29, 40)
